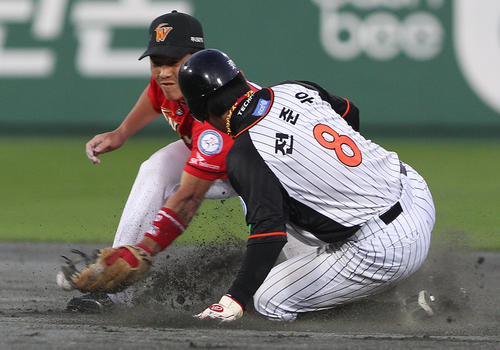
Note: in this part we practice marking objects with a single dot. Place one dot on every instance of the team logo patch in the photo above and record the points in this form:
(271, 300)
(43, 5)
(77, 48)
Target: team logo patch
(162, 31)
(261, 108)
(210, 142)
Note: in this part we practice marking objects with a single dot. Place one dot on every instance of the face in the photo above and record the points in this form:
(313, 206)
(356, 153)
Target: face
(165, 71)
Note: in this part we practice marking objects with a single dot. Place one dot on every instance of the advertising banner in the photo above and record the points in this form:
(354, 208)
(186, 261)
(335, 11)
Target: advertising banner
(413, 67)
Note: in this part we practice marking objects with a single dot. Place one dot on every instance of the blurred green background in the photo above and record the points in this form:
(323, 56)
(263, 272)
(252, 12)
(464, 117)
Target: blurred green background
(52, 192)
(69, 67)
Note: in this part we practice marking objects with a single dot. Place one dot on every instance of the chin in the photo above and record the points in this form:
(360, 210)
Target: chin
(172, 96)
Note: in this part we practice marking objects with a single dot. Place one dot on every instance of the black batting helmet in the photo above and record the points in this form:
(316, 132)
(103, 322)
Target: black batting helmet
(201, 74)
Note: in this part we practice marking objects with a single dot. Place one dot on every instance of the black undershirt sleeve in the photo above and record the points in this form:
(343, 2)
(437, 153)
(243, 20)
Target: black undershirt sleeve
(259, 260)
(267, 215)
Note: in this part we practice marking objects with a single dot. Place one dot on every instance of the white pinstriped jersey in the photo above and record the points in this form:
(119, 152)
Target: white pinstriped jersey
(302, 169)
(330, 180)
(318, 158)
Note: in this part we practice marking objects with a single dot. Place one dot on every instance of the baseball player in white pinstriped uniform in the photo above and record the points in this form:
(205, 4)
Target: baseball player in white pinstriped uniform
(362, 218)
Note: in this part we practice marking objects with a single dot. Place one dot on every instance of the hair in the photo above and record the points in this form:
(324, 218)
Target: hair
(222, 99)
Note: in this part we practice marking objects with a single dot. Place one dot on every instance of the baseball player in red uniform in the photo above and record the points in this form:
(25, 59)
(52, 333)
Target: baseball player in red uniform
(363, 217)
(179, 176)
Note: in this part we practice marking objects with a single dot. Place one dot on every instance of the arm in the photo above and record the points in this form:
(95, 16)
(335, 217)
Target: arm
(259, 260)
(267, 214)
(141, 115)
(184, 204)
(117, 268)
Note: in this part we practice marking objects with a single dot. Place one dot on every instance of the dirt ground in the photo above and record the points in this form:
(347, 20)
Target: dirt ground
(466, 286)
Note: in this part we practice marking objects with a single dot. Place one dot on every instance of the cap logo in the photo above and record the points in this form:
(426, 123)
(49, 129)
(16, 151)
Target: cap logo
(162, 31)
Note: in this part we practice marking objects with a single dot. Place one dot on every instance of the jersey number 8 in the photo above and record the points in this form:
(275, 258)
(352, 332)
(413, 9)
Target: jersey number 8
(337, 143)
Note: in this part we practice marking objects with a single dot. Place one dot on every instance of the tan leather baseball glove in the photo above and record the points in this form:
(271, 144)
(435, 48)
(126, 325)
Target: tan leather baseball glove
(108, 270)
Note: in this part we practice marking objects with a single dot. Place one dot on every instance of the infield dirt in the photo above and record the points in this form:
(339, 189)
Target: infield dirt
(187, 279)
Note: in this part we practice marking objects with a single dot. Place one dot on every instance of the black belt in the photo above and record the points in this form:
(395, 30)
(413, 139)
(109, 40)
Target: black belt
(390, 215)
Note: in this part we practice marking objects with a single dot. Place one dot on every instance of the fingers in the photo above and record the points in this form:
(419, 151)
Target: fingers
(214, 316)
(92, 150)
(104, 143)
(220, 312)
(100, 144)
(93, 158)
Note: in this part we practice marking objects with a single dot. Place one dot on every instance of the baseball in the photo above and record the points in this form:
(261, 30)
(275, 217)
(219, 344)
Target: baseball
(63, 282)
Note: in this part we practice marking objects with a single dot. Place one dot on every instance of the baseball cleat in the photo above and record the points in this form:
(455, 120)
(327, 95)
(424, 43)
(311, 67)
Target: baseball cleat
(420, 304)
(91, 303)
(426, 302)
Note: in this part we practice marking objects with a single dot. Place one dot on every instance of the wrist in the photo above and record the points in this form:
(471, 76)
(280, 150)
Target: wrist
(122, 133)
(145, 247)
(166, 227)
(232, 305)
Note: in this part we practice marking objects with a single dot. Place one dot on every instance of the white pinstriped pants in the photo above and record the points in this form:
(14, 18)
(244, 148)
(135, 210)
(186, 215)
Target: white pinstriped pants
(375, 258)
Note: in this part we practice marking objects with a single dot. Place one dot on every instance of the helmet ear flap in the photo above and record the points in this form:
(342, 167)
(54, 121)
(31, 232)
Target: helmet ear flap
(201, 74)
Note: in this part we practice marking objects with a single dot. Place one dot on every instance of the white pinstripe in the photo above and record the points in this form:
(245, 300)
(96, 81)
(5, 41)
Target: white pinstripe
(376, 257)
(313, 171)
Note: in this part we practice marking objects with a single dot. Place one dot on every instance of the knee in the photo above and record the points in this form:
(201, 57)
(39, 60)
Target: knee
(150, 168)
(272, 309)
(163, 162)
(167, 162)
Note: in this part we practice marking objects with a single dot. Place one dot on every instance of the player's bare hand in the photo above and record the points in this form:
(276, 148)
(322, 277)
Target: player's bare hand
(103, 143)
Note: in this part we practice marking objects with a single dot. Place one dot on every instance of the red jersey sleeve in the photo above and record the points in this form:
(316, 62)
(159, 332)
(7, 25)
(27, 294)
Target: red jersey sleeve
(208, 155)
(209, 150)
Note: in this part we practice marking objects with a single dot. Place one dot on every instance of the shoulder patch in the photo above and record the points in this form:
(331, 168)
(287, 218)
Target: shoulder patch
(210, 142)
(261, 108)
